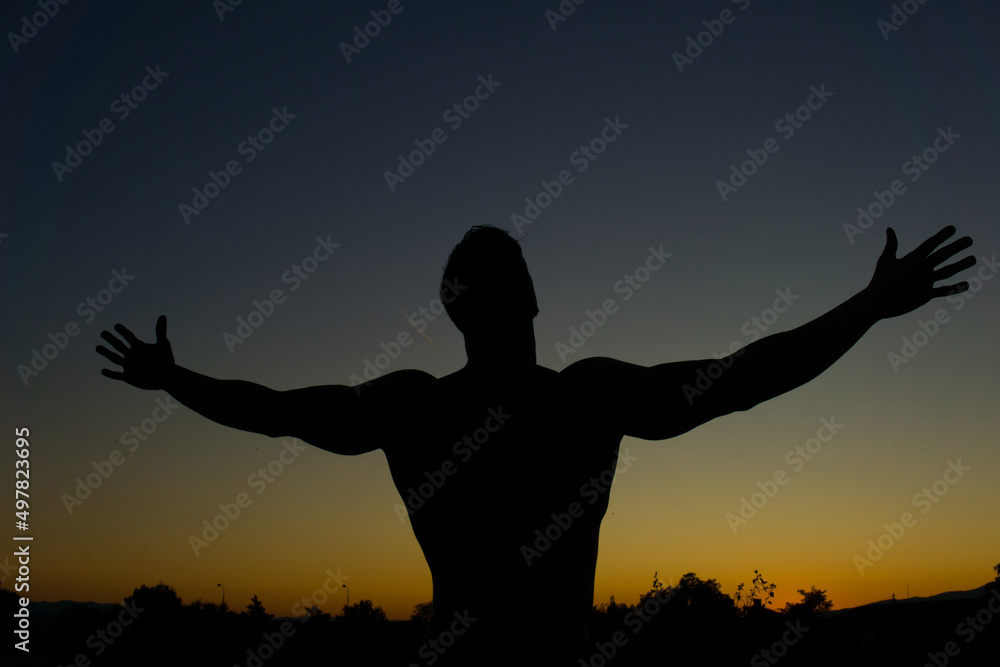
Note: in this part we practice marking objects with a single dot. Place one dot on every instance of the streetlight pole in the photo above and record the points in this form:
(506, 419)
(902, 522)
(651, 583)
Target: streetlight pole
(223, 594)
(348, 594)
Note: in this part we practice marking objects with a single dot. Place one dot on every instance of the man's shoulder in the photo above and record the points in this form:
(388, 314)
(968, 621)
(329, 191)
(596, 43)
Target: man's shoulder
(593, 367)
(397, 383)
(409, 380)
(411, 376)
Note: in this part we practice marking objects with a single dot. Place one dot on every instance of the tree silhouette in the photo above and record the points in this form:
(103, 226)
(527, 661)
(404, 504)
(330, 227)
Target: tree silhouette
(8, 599)
(693, 592)
(616, 612)
(745, 601)
(690, 623)
(363, 612)
(422, 612)
(200, 607)
(76, 623)
(694, 617)
(157, 602)
(255, 610)
(814, 602)
(315, 614)
(609, 617)
(657, 590)
(694, 603)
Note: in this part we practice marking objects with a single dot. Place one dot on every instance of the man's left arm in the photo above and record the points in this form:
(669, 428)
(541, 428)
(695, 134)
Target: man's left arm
(666, 400)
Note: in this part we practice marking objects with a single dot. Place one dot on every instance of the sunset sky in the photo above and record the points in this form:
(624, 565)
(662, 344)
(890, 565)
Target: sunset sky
(879, 97)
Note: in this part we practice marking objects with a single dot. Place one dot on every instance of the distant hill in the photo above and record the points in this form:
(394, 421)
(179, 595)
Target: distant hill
(940, 597)
(904, 632)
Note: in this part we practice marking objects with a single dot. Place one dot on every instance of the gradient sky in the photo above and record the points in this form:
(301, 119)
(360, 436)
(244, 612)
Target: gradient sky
(323, 176)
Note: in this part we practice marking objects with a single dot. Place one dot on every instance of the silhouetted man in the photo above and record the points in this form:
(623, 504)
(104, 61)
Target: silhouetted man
(516, 450)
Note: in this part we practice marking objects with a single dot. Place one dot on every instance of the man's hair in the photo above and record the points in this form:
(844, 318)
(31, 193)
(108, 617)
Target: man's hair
(485, 273)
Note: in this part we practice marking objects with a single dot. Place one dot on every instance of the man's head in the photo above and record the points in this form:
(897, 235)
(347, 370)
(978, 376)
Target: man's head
(486, 282)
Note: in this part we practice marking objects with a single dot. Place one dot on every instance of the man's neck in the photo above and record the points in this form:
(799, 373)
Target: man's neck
(495, 359)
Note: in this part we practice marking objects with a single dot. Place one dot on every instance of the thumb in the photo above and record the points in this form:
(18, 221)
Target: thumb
(161, 329)
(890, 244)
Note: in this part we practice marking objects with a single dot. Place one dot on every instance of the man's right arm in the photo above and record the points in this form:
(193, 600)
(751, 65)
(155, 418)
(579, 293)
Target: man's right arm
(336, 418)
(332, 417)
(328, 416)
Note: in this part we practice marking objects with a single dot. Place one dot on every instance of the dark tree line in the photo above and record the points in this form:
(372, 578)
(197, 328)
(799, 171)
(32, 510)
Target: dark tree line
(692, 622)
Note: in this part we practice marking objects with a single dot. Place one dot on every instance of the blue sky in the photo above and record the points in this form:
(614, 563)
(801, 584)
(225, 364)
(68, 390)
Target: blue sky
(552, 93)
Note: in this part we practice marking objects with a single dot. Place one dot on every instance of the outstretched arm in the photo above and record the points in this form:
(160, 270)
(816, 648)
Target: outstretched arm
(670, 399)
(331, 417)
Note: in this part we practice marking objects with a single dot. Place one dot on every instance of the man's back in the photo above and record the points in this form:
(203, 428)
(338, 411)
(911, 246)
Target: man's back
(506, 486)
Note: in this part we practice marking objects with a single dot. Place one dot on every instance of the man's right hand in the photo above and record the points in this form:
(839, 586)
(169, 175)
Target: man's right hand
(144, 365)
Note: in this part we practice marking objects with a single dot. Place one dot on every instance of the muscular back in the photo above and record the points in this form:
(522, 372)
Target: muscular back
(505, 494)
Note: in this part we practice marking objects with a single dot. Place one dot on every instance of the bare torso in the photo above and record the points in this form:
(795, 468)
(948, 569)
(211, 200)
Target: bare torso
(506, 489)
